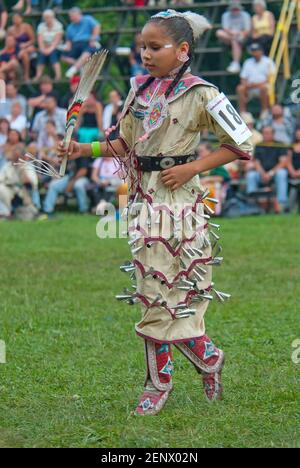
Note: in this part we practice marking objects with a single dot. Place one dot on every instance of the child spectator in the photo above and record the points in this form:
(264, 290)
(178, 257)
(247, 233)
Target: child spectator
(255, 79)
(82, 40)
(236, 28)
(105, 181)
(9, 59)
(51, 112)
(50, 34)
(25, 39)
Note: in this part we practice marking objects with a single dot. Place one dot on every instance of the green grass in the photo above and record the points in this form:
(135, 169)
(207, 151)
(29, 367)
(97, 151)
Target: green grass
(75, 368)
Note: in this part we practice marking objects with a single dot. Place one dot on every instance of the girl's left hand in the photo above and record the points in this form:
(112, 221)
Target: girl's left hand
(177, 176)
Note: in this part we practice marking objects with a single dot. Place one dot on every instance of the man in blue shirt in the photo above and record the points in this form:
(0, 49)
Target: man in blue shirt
(82, 40)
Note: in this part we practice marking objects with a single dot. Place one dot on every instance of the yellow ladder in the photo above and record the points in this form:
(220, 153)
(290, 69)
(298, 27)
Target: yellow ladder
(280, 46)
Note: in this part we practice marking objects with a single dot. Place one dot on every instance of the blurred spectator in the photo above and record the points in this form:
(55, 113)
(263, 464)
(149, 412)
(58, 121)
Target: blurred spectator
(4, 128)
(50, 33)
(82, 37)
(68, 97)
(104, 182)
(9, 64)
(75, 181)
(236, 28)
(135, 58)
(263, 25)
(90, 120)
(13, 144)
(112, 112)
(268, 166)
(294, 170)
(47, 147)
(51, 112)
(25, 39)
(3, 19)
(216, 180)
(256, 137)
(37, 102)
(20, 5)
(282, 122)
(255, 79)
(12, 95)
(17, 121)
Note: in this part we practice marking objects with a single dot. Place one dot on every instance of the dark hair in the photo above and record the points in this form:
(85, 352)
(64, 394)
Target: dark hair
(180, 31)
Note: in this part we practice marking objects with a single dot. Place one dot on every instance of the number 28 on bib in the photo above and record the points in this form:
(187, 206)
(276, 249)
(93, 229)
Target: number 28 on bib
(228, 118)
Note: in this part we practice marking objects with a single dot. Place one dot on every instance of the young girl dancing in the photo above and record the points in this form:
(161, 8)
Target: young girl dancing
(173, 242)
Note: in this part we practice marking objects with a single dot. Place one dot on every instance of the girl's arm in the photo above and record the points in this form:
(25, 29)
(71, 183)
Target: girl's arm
(180, 175)
(77, 150)
(99, 116)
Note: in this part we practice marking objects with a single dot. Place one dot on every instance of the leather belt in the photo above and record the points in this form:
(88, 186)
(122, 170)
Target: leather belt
(159, 163)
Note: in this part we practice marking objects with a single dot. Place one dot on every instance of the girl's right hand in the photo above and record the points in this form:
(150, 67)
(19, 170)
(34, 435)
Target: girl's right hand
(73, 151)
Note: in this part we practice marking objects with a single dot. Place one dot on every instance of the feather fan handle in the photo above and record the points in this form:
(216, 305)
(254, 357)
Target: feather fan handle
(90, 72)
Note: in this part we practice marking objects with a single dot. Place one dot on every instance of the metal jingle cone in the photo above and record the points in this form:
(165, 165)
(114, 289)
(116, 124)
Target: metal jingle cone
(134, 300)
(202, 215)
(184, 288)
(123, 297)
(188, 283)
(133, 276)
(185, 313)
(225, 295)
(136, 250)
(133, 241)
(205, 194)
(179, 307)
(187, 253)
(182, 264)
(175, 244)
(199, 277)
(208, 210)
(212, 200)
(198, 251)
(216, 226)
(218, 295)
(214, 234)
(158, 298)
(201, 269)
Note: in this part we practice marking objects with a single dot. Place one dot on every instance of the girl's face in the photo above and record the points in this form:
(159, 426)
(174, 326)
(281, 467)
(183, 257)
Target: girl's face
(157, 58)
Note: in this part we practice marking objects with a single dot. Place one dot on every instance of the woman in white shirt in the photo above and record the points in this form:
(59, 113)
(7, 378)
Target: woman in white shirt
(50, 33)
(17, 121)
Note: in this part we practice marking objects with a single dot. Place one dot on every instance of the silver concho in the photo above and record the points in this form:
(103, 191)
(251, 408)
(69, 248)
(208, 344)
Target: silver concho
(166, 163)
(190, 159)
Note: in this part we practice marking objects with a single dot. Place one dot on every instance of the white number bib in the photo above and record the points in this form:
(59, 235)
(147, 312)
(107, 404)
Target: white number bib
(228, 118)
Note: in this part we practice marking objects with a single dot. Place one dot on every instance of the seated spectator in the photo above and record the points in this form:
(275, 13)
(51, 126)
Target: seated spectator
(255, 79)
(282, 122)
(37, 102)
(76, 180)
(33, 6)
(51, 112)
(14, 143)
(4, 129)
(135, 58)
(269, 164)
(69, 96)
(236, 28)
(9, 64)
(216, 180)
(12, 95)
(3, 19)
(294, 168)
(104, 182)
(263, 25)
(82, 37)
(25, 38)
(90, 120)
(17, 121)
(50, 33)
(256, 137)
(112, 112)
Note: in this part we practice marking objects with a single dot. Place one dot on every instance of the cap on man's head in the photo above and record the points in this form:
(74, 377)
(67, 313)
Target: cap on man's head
(235, 5)
(255, 46)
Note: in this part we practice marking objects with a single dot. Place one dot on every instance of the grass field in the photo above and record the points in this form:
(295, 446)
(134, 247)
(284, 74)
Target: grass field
(75, 368)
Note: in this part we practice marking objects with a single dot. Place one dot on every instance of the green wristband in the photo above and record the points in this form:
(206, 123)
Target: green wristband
(96, 149)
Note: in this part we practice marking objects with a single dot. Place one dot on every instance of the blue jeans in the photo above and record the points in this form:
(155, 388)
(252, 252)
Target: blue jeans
(253, 179)
(57, 187)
